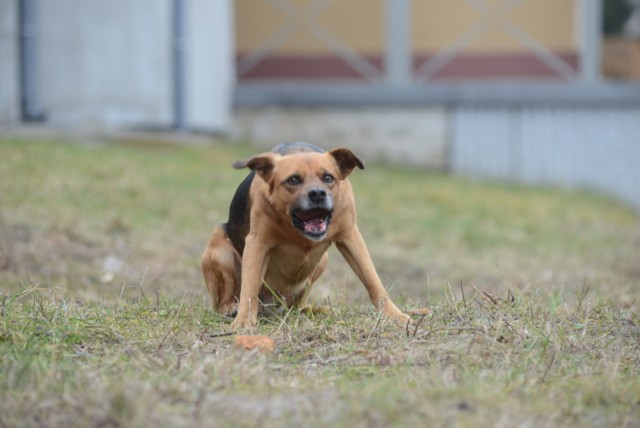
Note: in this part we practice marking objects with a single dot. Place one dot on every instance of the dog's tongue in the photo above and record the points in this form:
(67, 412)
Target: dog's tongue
(316, 225)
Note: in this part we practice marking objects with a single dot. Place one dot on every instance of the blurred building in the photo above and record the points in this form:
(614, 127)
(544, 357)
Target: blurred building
(501, 89)
(401, 42)
(95, 64)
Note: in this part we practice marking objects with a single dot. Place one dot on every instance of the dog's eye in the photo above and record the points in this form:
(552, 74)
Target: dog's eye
(328, 178)
(294, 180)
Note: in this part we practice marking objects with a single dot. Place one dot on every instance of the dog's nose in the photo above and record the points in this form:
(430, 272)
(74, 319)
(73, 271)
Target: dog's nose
(317, 195)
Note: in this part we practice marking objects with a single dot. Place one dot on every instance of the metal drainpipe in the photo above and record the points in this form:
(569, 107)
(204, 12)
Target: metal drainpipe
(179, 54)
(31, 110)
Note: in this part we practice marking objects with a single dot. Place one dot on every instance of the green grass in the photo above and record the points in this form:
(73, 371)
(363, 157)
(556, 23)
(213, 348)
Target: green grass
(533, 295)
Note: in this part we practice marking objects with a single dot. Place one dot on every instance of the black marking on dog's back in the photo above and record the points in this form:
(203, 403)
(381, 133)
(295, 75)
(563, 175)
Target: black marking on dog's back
(297, 147)
(238, 225)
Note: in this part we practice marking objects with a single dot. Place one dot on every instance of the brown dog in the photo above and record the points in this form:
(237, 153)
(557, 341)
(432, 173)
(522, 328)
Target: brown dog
(273, 247)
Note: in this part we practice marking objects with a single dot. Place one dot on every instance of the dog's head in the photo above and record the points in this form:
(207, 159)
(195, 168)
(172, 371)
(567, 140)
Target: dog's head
(304, 187)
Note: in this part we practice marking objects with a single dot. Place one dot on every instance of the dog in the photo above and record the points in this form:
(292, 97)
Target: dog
(295, 202)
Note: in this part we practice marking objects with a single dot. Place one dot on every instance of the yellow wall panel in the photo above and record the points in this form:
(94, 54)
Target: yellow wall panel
(254, 22)
(357, 23)
(551, 22)
(437, 24)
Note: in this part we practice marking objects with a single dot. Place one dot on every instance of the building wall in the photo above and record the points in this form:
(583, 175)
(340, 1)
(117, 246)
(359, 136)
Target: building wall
(257, 20)
(299, 42)
(407, 136)
(578, 145)
(436, 24)
(210, 66)
(104, 64)
(9, 96)
(590, 147)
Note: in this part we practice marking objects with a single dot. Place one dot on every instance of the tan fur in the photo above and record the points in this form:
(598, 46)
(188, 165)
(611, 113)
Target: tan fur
(278, 260)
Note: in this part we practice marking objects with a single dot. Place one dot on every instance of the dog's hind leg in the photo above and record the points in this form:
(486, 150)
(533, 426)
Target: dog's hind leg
(221, 265)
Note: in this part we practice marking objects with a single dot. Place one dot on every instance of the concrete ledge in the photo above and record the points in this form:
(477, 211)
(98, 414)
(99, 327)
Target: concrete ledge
(410, 136)
(509, 93)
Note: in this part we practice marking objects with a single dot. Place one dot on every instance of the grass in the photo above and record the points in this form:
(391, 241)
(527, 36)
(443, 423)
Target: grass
(104, 319)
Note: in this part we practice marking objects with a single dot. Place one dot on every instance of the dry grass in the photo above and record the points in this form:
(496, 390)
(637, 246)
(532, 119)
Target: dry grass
(166, 361)
(104, 320)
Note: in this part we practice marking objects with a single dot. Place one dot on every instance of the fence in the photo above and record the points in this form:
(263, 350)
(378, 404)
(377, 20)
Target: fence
(591, 147)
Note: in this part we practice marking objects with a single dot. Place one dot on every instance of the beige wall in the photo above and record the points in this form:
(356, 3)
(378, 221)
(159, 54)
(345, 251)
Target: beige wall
(435, 24)
(359, 23)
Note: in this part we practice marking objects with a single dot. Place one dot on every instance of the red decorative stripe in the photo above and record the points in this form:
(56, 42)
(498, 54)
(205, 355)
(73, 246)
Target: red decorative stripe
(499, 65)
(306, 67)
(463, 66)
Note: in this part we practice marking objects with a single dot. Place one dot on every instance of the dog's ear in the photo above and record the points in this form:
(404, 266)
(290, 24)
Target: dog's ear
(346, 161)
(261, 164)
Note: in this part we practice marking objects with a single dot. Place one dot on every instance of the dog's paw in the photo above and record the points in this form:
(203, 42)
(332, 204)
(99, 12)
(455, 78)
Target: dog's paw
(244, 323)
(394, 314)
(419, 312)
(228, 309)
(399, 318)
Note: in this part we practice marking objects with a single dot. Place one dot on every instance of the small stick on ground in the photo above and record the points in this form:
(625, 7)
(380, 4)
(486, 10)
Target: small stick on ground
(220, 334)
(415, 330)
(487, 296)
(462, 291)
(375, 326)
(546, 370)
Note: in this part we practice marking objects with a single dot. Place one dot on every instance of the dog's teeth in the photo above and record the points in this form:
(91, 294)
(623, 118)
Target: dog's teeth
(315, 226)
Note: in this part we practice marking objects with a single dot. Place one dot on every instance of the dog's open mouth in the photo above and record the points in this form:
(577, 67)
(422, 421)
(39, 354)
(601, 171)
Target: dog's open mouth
(313, 223)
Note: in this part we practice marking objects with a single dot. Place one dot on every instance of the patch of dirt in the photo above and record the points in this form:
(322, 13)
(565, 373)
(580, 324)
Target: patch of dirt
(63, 257)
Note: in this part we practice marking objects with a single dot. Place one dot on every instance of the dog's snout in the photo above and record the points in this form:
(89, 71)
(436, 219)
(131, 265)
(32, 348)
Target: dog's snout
(317, 195)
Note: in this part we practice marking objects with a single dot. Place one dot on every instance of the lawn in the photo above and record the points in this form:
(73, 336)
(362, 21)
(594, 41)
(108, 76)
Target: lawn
(104, 318)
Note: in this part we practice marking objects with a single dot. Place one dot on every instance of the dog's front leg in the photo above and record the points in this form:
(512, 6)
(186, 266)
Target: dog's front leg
(354, 250)
(254, 259)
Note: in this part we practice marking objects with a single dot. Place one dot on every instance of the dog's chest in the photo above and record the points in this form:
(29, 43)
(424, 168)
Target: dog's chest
(289, 264)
